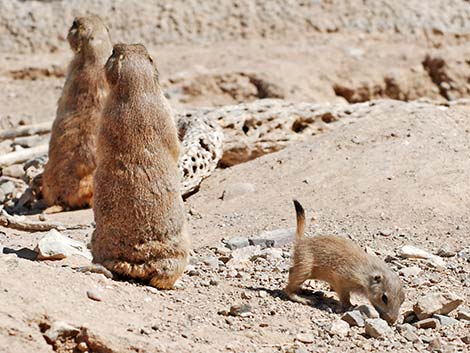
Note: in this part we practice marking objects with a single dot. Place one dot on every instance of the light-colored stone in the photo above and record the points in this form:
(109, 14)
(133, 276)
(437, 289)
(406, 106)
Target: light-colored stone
(274, 238)
(435, 345)
(353, 318)
(463, 315)
(377, 328)
(409, 332)
(211, 261)
(242, 310)
(82, 347)
(412, 252)
(14, 171)
(339, 327)
(55, 246)
(237, 243)
(445, 320)
(436, 303)
(446, 251)
(93, 294)
(8, 188)
(60, 329)
(410, 271)
(236, 190)
(305, 338)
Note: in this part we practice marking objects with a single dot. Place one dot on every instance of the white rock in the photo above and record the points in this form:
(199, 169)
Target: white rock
(55, 246)
(274, 238)
(15, 171)
(377, 328)
(409, 332)
(305, 338)
(339, 327)
(412, 252)
(60, 329)
(93, 294)
(410, 271)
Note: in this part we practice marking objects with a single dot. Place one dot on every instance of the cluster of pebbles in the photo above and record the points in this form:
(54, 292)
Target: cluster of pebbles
(435, 317)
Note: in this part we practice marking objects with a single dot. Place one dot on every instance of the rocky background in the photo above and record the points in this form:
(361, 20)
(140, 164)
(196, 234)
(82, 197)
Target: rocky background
(359, 109)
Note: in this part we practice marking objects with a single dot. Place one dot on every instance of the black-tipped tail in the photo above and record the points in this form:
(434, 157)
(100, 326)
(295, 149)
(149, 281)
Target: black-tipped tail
(300, 213)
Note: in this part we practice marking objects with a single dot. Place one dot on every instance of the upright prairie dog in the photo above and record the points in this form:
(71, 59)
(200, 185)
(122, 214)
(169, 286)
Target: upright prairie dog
(139, 213)
(68, 175)
(346, 267)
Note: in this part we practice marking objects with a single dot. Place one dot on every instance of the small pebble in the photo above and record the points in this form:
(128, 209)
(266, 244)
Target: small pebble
(428, 323)
(94, 295)
(305, 338)
(82, 347)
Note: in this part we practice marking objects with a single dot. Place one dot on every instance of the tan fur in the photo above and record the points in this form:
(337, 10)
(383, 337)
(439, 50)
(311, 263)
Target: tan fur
(68, 175)
(346, 267)
(139, 213)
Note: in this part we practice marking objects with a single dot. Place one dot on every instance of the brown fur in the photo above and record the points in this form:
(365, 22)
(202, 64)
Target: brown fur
(346, 267)
(68, 175)
(139, 213)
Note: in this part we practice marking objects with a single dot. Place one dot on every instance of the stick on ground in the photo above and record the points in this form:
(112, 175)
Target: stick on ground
(20, 223)
(27, 130)
(23, 155)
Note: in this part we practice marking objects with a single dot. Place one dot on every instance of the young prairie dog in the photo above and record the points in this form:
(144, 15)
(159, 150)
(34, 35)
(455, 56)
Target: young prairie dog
(346, 267)
(67, 180)
(139, 213)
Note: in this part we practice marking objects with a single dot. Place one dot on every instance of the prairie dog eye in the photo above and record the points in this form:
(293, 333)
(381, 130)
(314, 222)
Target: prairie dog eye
(385, 299)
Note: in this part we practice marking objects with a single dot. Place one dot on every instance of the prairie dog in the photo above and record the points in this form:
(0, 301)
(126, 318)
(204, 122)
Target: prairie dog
(68, 175)
(139, 213)
(346, 267)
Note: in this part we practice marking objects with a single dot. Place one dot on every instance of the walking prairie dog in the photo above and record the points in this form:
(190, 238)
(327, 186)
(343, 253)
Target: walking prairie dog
(346, 267)
(139, 213)
(68, 175)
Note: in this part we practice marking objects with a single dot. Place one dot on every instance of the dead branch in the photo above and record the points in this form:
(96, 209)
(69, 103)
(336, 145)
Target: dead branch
(20, 223)
(23, 155)
(27, 130)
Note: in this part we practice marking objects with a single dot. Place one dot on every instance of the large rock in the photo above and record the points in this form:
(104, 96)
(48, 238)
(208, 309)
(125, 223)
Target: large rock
(55, 246)
(269, 125)
(436, 303)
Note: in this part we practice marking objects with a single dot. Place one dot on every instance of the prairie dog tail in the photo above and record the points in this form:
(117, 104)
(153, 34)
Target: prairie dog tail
(300, 213)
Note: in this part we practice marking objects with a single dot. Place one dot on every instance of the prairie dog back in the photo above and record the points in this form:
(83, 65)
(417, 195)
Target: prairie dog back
(139, 213)
(68, 175)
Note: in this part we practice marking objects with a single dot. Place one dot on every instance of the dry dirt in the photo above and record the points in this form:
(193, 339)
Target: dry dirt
(396, 174)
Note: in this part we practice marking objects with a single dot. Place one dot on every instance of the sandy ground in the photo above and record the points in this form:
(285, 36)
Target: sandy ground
(397, 175)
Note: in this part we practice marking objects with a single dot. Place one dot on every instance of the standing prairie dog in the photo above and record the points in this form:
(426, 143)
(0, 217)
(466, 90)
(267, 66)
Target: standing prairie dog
(68, 175)
(139, 213)
(346, 267)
